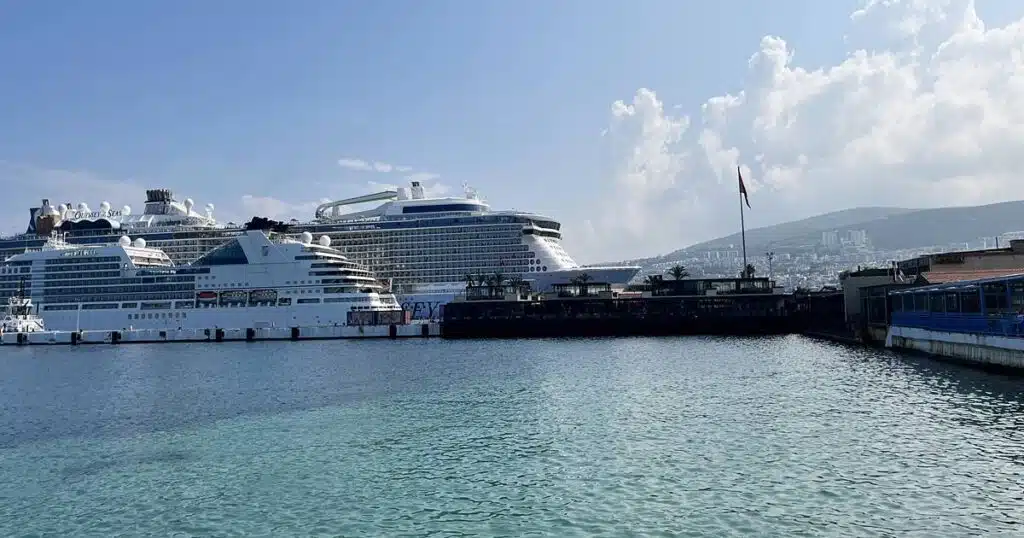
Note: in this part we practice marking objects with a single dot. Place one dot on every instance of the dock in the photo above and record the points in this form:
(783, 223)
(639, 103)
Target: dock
(251, 334)
(724, 306)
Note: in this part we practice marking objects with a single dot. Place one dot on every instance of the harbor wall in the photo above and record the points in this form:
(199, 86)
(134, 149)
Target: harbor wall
(149, 336)
(753, 314)
(976, 349)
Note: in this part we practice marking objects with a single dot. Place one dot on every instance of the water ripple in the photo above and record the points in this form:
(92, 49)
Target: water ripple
(605, 437)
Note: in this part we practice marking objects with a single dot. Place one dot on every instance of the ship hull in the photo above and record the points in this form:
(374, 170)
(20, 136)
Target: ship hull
(197, 318)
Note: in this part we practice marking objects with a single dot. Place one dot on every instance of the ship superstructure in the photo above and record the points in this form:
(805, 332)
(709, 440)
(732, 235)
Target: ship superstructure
(177, 227)
(255, 279)
(422, 242)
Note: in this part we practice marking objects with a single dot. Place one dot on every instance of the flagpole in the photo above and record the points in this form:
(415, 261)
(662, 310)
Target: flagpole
(743, 232)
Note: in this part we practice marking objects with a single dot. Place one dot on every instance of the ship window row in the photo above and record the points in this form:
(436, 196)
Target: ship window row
(79, 276)
(420, 222)
(159, 315)
(427, 235)
(452, 252)
(111, 281)
(51, 269)
(50, 290)
(119, 298)
(481, 231)
(77, 260)
(15, 270)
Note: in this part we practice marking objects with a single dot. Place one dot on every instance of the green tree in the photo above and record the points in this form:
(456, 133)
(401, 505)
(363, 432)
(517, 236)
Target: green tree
(678, 272)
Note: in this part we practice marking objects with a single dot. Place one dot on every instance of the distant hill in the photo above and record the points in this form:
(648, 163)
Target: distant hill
(888, 228)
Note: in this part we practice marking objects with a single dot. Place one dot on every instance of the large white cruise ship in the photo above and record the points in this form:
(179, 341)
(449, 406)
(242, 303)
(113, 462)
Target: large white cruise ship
(425, 247)
(254, 280)
(429, 247)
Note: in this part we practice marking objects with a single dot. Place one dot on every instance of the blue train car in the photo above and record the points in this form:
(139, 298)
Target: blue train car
(992, 306)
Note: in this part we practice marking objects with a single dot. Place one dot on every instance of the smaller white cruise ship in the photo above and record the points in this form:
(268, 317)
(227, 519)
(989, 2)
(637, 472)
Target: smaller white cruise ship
(257, 279)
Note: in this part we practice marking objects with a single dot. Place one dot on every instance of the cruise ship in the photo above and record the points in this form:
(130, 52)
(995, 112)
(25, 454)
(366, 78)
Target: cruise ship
(254, 280)
(428, 247)
(425, 248)
(176, 227)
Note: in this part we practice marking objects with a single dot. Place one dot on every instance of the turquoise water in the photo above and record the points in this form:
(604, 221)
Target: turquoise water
(603, 437)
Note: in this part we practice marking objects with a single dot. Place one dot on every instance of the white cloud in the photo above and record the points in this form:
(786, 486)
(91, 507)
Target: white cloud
(363, 165)
(355, 164)
(422, 176)
(928, 114)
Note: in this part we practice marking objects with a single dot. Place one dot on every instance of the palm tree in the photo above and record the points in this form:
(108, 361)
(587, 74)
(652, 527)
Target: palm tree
(581, 280)
(493, 282)
(518, 284)
(678, 272)
(470, 281)
(748, 272)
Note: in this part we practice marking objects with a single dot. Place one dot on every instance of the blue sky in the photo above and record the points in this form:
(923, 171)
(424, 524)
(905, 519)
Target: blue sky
(217, 100)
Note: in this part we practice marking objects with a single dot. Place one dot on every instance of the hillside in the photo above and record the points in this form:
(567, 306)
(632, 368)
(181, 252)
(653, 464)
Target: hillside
(888, 228)
(813, 226)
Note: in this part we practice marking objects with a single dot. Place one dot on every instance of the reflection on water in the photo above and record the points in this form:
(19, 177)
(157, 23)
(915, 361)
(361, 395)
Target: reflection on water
(615, 437)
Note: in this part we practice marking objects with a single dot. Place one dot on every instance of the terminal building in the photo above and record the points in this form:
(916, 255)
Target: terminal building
(865, 291)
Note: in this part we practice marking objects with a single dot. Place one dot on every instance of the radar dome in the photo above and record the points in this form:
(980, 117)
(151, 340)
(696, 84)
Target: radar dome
(140, 242)
(189, 204)
(83, 207)
(62, 208)
(124, 241)
(307, 238)
(325, 241)
(126, 210)
(104, 207)
(209, 207)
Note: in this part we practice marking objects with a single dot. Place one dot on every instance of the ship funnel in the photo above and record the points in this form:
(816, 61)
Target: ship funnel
(417, 190)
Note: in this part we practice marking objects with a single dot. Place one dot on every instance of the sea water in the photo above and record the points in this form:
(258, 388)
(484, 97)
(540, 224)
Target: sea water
(716, 437)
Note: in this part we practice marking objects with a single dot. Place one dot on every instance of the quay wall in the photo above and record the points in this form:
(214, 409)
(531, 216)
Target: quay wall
(149, 336)
(970, 348)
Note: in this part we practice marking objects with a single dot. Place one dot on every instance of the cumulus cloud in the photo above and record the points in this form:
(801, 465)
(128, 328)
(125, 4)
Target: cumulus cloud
(925, 110)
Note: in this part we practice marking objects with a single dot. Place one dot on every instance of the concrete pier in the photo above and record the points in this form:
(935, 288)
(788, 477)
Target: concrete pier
(150, 336)
(977, 349)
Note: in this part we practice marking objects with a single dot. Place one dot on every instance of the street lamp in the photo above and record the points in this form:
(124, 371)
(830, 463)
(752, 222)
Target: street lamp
(770, 255)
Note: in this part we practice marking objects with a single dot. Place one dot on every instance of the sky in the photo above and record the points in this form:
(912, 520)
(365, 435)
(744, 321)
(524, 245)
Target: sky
(624, 120)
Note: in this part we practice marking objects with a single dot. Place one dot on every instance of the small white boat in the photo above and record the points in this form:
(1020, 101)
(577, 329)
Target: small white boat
(19, 317)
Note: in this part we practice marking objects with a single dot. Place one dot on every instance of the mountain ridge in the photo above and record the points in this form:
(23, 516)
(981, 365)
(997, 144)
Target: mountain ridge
(889, 228)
